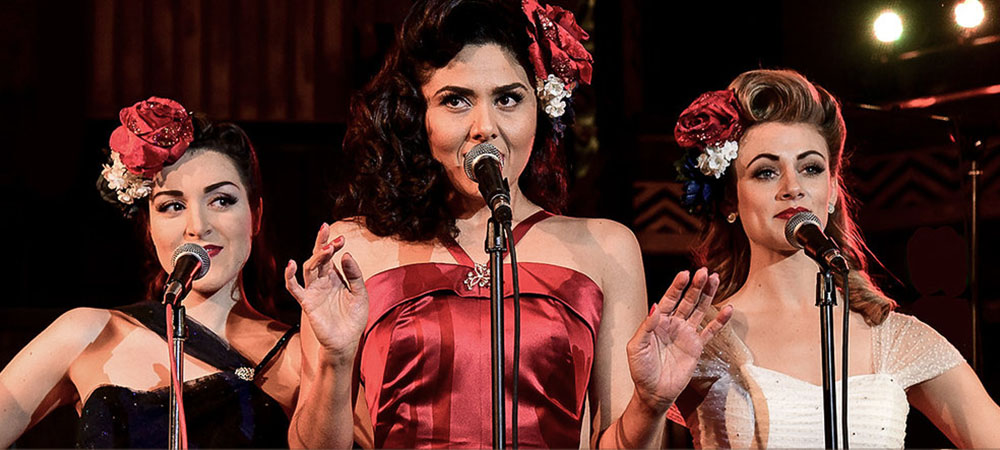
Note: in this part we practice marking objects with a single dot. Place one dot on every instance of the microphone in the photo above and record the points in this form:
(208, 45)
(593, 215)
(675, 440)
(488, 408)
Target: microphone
(803, 231)
(482, 165)
(191, 262)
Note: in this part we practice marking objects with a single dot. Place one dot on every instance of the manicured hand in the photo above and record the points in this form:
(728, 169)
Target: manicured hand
(665, 349)
(334, 303)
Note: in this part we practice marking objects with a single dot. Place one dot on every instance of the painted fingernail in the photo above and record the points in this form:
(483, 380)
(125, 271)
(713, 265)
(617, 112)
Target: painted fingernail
(652, 310)
(289, 263)
(327, 246)
(339, 240)
(324, 226)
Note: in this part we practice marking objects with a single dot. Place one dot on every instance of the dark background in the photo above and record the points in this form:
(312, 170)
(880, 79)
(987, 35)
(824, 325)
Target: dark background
(285, 71)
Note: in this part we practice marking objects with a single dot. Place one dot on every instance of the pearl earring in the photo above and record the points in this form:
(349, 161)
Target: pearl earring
(731, 218)
(831, 208)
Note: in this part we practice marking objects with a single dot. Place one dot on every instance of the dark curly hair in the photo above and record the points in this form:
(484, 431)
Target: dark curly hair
(391, 181)
(257, 280)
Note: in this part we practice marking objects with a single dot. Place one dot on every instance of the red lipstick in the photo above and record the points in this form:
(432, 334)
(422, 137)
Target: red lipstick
(788, 213)
(212, 250)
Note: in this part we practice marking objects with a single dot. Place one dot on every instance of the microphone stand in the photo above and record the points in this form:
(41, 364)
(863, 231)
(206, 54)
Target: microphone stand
(176, 373)
(826, 299)
(495, 246)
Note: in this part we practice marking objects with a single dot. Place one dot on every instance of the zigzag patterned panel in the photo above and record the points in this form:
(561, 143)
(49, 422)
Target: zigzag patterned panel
(662, 225)
(898, 190)
(915, 177)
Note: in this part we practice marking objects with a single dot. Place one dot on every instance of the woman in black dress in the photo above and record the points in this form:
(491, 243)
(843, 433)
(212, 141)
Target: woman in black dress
(184, 180)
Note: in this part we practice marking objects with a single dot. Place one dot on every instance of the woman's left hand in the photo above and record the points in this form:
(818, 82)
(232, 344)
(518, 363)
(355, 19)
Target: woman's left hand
(665, 349)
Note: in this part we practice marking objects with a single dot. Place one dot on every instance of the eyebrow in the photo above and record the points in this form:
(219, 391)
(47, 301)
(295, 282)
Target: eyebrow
(215, 186)
(208, 189)
(773, 157)
(470, 92)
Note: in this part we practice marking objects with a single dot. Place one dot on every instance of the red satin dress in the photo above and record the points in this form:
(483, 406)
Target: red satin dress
(425, 353)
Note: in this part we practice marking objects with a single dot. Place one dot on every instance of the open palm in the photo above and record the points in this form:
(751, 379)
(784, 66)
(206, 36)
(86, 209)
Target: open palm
(665, 349)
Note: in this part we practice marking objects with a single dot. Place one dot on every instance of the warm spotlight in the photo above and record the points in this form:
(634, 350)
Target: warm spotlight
(888, 26)
(969, 13)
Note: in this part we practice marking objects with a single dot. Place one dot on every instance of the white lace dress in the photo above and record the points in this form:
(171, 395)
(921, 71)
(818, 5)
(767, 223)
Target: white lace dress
(750, 406)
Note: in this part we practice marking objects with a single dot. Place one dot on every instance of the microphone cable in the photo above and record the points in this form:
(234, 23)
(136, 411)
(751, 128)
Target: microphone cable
(517, 332)
(843, 378)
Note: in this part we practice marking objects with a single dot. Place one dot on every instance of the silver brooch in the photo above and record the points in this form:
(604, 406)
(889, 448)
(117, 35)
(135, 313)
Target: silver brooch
(245, 373)
(479, 277)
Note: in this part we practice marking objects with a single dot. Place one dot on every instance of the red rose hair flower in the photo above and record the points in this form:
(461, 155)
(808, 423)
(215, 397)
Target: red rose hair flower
(710, 129)
(153, 133)
(556, 46)
(712, 119)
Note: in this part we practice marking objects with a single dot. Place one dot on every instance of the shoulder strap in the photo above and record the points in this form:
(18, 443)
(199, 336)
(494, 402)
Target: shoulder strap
(522, 228)
(462, 257)
(277, 348)
(201, 342)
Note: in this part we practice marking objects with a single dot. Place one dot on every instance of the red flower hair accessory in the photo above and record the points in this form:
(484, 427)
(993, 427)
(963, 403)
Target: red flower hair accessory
(712, 118)
(153, 133)
(710, 129)
(712, 124)
(557, 54)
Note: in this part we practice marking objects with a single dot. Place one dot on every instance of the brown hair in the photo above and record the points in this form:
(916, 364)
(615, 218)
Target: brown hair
(787, 96)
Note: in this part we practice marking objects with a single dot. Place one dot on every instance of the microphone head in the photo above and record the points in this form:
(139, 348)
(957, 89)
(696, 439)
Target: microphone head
(796, 222)
(196, 251)
(480, 151)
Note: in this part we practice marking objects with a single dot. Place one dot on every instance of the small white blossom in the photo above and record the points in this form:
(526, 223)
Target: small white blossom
(552, 93)
(728, 150)
(129, 186)
(555, 108)
(716, 159)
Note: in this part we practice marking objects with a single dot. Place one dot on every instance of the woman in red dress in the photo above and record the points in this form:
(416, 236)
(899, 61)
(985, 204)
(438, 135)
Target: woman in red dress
(412, 227)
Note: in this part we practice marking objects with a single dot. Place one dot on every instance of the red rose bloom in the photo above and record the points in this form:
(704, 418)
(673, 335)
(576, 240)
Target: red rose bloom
(557, 38)
(711, 119)
(153, 133)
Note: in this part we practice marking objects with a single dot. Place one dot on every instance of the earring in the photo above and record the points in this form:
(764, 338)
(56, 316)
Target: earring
(831, 208)
(731, 218)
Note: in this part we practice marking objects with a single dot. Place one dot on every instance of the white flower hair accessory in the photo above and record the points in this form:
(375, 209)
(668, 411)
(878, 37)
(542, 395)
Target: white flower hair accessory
(128, 186)
(715, 159)
(552, 92)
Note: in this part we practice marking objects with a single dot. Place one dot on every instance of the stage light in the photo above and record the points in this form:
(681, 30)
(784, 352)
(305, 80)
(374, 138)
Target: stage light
(888, 26)
(969, 13)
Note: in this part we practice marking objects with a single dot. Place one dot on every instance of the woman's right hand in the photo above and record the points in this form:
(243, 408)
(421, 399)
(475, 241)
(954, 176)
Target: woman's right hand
(335, 304)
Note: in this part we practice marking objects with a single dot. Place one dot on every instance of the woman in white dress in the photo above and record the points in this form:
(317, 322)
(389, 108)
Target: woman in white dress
(761, 151)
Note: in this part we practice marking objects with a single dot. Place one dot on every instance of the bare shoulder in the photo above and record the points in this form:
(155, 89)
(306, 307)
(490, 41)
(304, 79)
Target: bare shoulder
(357, 234)
(349, 227)
(370, 250)
(604, 240)
(81, 325)
(604, 235)
(605, 250)
(62, 342)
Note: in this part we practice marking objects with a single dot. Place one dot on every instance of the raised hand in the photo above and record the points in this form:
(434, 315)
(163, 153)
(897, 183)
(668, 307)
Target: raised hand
(335, 304)
(665, 349)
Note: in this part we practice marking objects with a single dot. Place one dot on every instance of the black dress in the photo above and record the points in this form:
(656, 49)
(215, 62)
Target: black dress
(223, 410)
